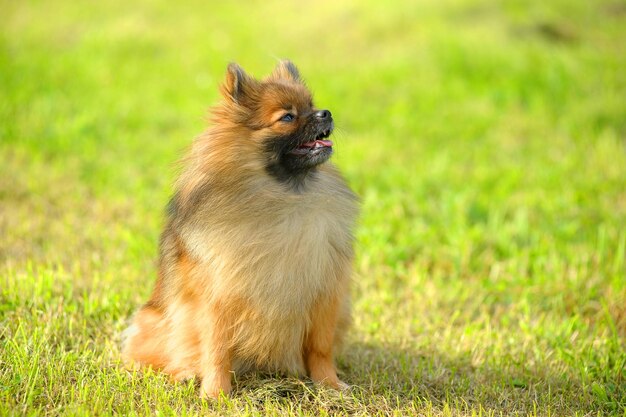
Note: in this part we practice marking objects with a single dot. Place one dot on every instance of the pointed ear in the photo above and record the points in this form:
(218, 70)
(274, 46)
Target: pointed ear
(237, 84)
(286, 70)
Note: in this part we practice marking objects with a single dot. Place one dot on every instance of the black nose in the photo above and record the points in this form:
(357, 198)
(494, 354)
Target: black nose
(323, 115)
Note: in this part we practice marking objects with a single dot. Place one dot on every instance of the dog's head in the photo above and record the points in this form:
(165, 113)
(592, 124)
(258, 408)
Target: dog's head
(279, 116)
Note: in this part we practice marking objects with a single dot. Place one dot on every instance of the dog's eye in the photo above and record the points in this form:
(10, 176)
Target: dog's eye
(287, 118)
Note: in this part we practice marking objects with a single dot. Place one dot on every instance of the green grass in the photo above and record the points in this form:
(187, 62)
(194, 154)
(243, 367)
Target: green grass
(487, 141)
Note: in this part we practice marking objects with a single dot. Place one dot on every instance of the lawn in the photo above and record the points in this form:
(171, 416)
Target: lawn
(487, 141)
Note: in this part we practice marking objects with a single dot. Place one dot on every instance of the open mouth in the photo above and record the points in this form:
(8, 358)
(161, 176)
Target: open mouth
(314, 146)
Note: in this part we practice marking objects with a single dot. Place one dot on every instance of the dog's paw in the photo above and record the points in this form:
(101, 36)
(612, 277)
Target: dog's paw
(181, 375)
(213, 387)
(334, 383)
(342, 386)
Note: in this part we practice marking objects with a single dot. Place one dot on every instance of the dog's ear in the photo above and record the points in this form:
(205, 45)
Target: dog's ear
(237, 85)
(286, 70)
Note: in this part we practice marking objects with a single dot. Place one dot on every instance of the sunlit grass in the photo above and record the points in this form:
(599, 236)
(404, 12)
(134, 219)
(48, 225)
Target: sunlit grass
(487, 143)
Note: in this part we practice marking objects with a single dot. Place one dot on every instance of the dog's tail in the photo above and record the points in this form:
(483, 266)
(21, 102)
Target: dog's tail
(144, 342)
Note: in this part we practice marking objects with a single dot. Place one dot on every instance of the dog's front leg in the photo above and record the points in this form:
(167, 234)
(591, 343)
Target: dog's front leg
(319, 344)
(215, 360)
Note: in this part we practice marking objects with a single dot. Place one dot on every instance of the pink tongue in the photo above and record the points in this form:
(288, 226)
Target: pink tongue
(321, 142)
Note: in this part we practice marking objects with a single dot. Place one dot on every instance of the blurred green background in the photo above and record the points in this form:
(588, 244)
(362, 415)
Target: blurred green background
(486, 139)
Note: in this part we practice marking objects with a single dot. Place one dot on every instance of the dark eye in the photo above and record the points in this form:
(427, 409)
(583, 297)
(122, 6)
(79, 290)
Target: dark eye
(287, 118)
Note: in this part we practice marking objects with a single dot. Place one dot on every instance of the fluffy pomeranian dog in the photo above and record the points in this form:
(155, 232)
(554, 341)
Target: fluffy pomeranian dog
(255, 258)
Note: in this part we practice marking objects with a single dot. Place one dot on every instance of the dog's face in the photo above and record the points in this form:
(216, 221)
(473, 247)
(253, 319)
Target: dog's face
(281, 118)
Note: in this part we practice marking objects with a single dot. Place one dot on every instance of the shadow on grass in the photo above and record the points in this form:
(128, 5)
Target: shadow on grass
(442, 382)
(386, 378)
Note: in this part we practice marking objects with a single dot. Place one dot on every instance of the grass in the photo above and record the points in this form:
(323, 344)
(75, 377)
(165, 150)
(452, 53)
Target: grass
(487, 141)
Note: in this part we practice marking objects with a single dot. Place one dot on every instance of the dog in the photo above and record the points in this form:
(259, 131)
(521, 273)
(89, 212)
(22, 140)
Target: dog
(256, 255)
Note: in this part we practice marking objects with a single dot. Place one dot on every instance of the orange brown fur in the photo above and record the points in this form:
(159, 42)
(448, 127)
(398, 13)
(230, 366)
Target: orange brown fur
(255, 259)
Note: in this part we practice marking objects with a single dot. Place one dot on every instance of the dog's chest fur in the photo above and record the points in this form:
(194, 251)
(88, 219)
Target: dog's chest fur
(281, 253)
